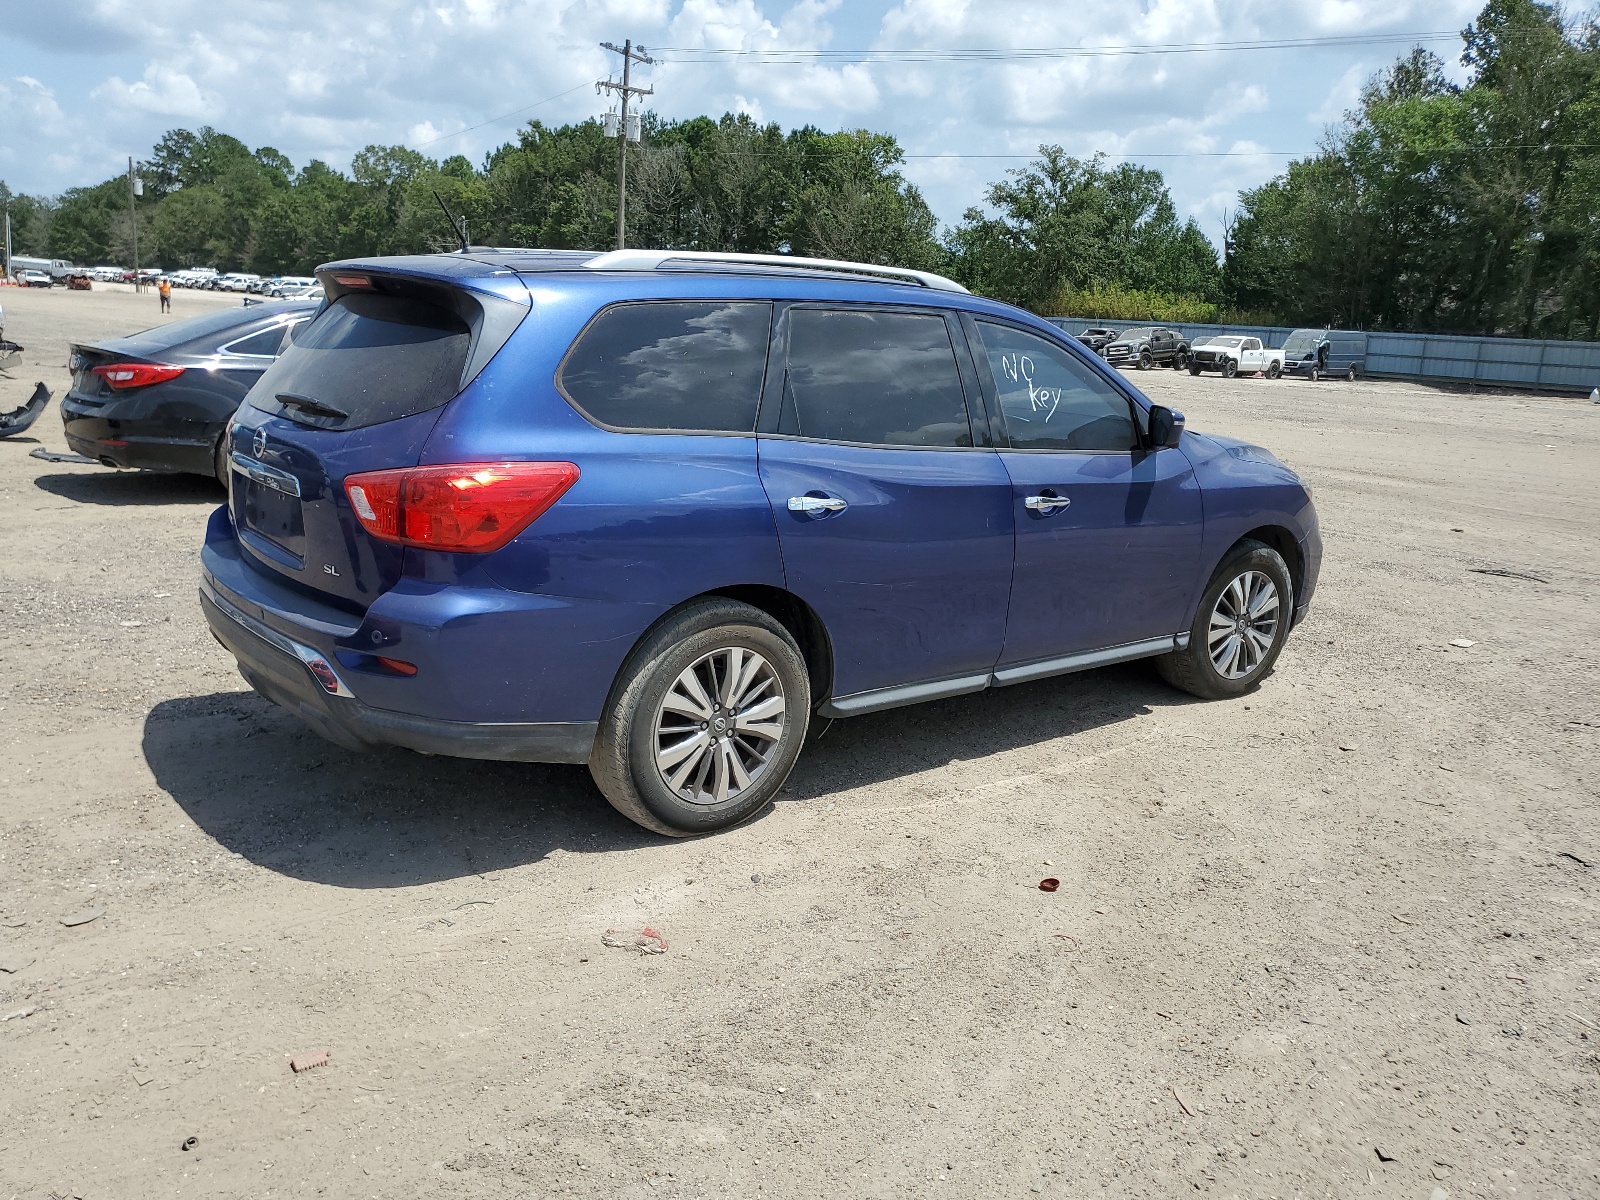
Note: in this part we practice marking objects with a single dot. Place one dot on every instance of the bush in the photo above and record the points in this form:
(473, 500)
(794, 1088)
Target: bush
(1114, 302)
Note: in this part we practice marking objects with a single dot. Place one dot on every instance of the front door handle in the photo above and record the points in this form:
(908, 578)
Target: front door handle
(815, 504)
(1045, 504)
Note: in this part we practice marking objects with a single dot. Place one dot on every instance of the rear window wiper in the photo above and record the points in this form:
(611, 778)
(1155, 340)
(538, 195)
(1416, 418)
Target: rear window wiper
(309, 404)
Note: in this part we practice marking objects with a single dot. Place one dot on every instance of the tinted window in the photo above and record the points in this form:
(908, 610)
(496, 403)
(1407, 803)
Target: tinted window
(672, 365)
(373, 358)
(886, 379)
(1051, 401)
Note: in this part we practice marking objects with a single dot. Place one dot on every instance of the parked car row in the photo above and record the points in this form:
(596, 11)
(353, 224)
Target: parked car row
(1310, 353)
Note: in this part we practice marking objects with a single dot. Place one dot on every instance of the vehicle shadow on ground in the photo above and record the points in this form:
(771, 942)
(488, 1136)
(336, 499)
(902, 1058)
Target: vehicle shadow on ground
(267, 788)
(131, 487)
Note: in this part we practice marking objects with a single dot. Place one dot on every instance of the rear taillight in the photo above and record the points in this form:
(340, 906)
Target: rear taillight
(468, 508)
(122, 376)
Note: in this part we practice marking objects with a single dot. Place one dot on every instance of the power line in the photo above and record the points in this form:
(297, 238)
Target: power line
(503, 116)
(702, 54)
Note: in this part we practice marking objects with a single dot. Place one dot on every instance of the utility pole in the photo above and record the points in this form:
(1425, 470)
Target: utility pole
(135, 188)
(628, 129)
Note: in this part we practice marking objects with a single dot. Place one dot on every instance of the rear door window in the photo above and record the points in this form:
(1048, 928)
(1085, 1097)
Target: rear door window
(1050, 400)
(671, 364)
(368, 358)
(874, 378)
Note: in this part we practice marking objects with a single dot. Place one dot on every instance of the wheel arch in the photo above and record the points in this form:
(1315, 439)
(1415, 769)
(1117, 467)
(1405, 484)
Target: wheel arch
(1284, 542)
(789, 610)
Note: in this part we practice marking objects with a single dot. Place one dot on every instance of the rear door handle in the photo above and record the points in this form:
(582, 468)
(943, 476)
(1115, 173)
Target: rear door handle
(815, 504)
(1045, 504)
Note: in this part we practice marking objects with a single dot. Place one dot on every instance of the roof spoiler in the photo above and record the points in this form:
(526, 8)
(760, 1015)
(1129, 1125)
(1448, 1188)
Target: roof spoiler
(650, 260)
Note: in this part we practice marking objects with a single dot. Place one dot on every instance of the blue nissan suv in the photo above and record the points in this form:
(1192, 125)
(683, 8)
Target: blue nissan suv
(654, 511)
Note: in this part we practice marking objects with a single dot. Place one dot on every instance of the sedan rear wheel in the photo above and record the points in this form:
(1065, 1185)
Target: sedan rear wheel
(706, 720)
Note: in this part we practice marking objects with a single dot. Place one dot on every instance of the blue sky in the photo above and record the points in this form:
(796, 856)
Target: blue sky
(85, 84)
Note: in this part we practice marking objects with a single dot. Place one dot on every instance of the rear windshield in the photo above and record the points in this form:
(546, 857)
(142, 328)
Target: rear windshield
(367, 359)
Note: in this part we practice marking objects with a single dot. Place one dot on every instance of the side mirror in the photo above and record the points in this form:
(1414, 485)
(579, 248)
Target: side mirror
(1166, 426)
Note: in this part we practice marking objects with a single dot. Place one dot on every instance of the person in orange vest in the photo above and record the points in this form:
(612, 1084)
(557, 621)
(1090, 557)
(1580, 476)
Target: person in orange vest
(165, 289)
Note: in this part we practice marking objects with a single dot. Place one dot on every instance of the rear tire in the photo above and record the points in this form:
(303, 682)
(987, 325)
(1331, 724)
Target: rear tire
(219, 460)
(662, 766)
(1253, 616)
(1180, 360)
(1274, 369)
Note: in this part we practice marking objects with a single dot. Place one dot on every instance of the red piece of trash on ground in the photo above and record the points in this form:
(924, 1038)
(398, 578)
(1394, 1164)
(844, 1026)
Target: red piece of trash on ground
(304, 1062)
(1049, 885)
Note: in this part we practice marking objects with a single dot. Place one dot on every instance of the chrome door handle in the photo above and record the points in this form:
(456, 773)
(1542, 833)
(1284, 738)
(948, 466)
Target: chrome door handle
(1045, 504)
(815, 504)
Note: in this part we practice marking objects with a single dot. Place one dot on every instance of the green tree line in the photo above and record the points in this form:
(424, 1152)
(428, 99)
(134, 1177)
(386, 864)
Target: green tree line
(1430, 206)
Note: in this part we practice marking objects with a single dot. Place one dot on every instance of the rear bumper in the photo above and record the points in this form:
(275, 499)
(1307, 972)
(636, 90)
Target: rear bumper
(119, 442)
(299, 678)
(314, 660)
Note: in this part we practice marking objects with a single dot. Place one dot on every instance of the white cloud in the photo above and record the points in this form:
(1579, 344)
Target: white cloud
(161, 92)
(325, 77)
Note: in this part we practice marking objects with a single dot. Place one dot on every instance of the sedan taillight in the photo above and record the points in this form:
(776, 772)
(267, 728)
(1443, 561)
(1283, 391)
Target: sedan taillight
(122, 376)
(470, 508)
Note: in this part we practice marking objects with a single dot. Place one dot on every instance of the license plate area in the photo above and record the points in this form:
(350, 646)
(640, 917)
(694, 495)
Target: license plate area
(267, 504)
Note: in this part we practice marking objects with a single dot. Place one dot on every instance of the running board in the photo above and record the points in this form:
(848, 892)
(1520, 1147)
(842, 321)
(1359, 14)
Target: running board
(1089, 659)
(941, 689)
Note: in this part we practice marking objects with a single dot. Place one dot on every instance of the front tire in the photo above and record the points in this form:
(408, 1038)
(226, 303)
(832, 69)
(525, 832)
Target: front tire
(705, 721)
(1230, 368)
(1352, 374)
(1145, 360)
(1239, 628)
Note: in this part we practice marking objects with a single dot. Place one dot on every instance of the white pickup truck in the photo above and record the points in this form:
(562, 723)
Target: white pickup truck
(1233, 356)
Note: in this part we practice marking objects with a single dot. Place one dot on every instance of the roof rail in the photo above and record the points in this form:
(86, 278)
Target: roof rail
(650, 260)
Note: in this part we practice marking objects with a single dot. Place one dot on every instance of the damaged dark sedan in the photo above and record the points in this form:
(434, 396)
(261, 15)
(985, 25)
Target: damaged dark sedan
(160, 400)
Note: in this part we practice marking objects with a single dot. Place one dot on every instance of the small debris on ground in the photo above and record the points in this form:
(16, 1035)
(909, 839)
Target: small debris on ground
(18, 1014)
(189, 1143)
(755, 879)
(84, 917)
(646, 941)
(12, 963)
(1348, 745)
(469, 904)
(1183, 1104)
(311, 1058)
(1582, 862)
(1049, 884)
(1462, 642)
(58, 456)
(1460, 1020)
(1383, 1155)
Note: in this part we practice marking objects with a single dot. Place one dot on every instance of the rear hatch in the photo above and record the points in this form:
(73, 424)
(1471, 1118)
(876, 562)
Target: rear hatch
(360, 388)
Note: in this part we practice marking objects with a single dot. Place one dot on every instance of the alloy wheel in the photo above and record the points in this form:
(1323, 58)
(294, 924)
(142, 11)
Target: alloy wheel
(1244, 623)
(719, 726)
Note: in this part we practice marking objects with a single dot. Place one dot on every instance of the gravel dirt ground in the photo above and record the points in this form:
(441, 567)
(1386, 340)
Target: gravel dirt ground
(1337, 938)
